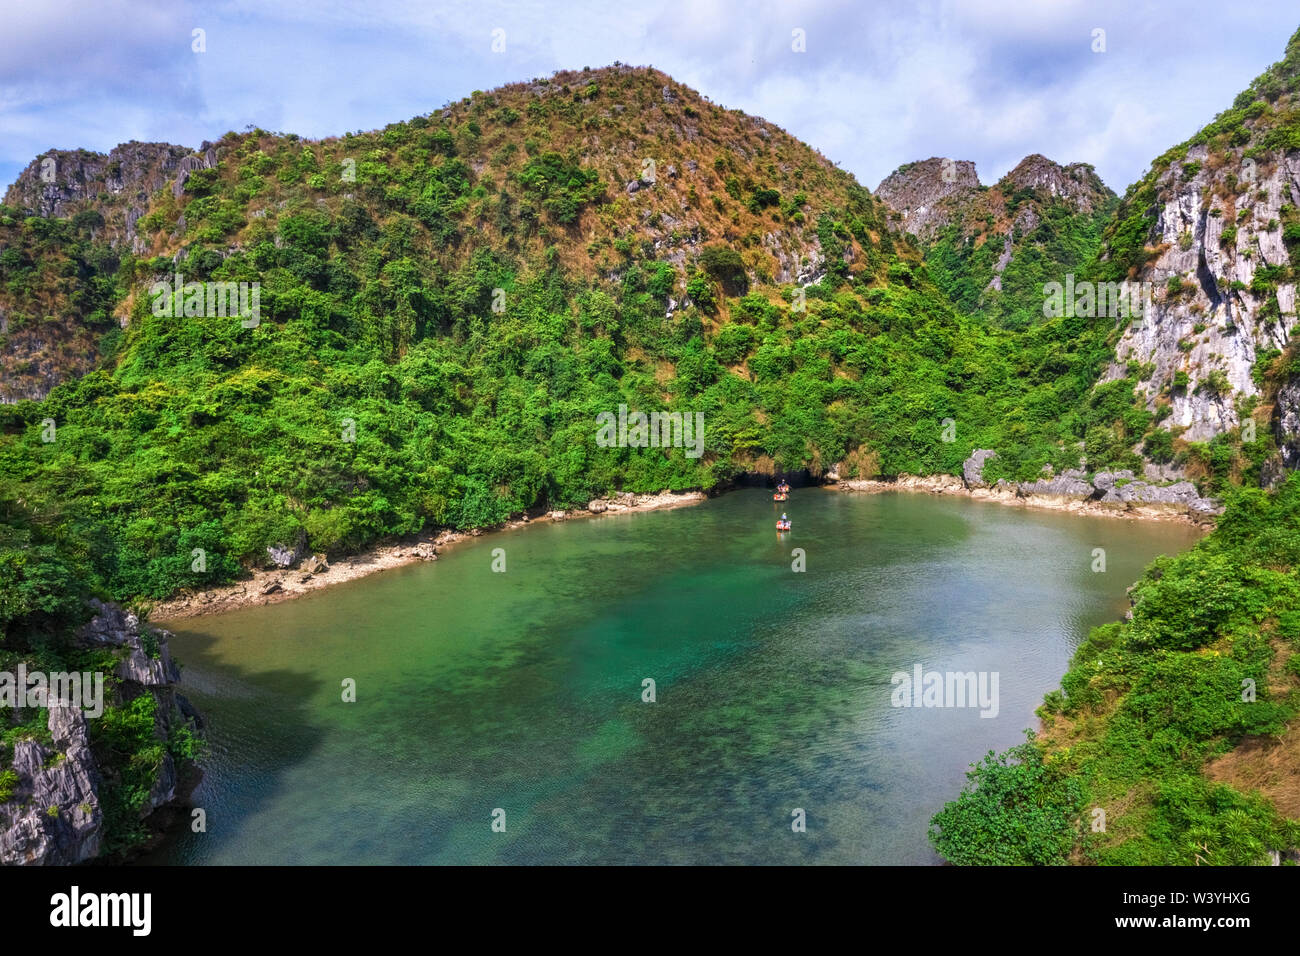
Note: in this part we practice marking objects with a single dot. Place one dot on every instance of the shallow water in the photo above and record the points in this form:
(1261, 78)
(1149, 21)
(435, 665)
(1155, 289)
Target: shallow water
(522, 690)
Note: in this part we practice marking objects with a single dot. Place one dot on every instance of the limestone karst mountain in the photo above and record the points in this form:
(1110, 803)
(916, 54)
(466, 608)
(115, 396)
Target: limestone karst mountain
(991, 249)
(448, 306)
(927, 196)
(1212, 227)
(112, 191)
(604, 167)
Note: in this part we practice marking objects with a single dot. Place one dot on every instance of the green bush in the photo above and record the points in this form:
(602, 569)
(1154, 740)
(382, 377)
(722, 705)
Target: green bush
(1015, 811)
(724, 264)
(1151, 700)
(561, 187)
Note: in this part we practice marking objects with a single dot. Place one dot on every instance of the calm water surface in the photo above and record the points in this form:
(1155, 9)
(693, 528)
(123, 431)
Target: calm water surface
(522, 690)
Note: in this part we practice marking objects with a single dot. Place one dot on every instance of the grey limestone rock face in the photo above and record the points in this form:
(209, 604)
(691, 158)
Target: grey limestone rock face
(1288, 423)
(1182, 493)
(1118, 490)
(1215, 326)
(53, 815)
(188, 164)
(281, 556)
(1069, 484)
(973, 467)
(139, 661)
(56, 180)
(916, 191)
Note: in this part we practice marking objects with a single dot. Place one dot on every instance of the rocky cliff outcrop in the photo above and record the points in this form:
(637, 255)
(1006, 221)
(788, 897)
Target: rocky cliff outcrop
(1076, 183)
(1287, 424)
(933, 194)
(973, 467)
(978, 237)
(1222, 288)
(1109, 490)
(117, 185)
(927, 194)
(55, 306)
(1212, 230)
(53, 816)
(54, 812)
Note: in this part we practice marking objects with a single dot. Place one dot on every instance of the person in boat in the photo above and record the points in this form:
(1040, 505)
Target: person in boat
(782, 486)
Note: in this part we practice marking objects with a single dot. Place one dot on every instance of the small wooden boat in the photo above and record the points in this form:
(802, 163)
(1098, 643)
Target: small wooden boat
(782, 525)
(780, 496)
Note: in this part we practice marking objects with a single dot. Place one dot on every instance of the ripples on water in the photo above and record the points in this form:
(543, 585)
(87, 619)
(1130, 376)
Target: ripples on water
(522, 690)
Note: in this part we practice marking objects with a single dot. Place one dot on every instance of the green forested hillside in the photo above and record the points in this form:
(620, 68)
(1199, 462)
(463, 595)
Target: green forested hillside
(1179, 725)
(449, 303)
(966, 256)
(1211, 657)
(57, 286)
(377, 306)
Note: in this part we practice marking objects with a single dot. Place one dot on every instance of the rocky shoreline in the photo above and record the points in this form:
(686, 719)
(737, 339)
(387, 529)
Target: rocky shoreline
(1112, 494)
(303, 574)
(55, 814)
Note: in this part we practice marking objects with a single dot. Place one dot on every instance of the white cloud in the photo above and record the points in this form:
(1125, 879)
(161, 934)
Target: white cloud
(879, 85)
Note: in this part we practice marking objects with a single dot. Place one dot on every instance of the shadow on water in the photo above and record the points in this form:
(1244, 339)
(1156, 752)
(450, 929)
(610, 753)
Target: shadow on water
(523, 690)
(257, 730)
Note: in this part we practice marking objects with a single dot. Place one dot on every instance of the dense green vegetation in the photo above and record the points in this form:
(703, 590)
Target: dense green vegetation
(1061, 415)
(1064, 241)
(57, 288)
(443, 320)
(1206, 661)
(211, 436)
(436, 344)
(434, 348)
(45, 581)
(1017, 812)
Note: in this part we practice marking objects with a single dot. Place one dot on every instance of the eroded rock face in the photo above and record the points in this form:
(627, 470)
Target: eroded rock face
(1182, 495)
(54, 816)
(972, 468)
(1077, 183)
(118, 184)
(1288, 424)
(1071, 484)
(113, 627)
(929, 196)
(282, 556)
(1218, 224)
(1116, 490)
(286, 555)
(916, 190)
(188, 164)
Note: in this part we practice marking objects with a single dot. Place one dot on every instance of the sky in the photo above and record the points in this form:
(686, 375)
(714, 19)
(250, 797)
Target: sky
(878, 82)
